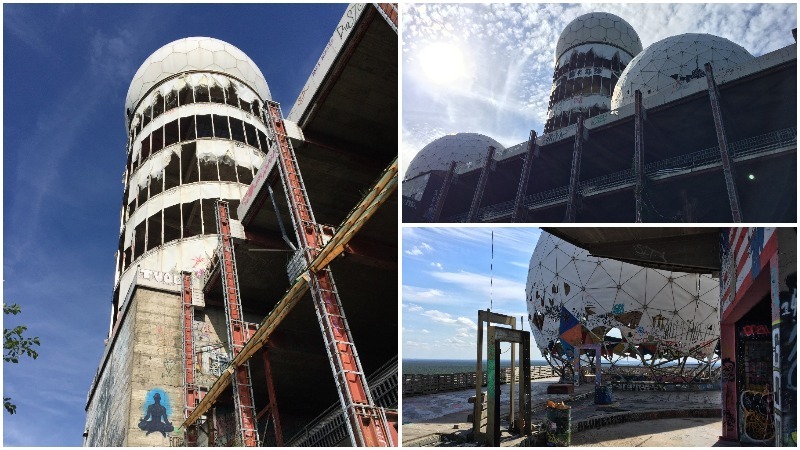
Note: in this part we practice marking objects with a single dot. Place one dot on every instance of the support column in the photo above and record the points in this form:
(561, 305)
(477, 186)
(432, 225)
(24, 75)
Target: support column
(439, 203)
(271, 409)
(190, 388)
(727, 164)
(638, 157)
(522, 421)
(241, 383)
(575, 171)
(488, 317)
(519, 211)
(476, 199)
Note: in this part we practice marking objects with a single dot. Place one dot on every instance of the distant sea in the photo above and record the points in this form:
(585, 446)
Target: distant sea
(440, 366)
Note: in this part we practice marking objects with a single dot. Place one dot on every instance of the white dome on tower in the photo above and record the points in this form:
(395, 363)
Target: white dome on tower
(464, 148)
(195, 54)
(599, 27)
(673, 60)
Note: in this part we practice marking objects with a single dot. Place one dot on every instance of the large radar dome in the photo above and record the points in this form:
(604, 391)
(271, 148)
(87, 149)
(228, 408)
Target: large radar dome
(599, 27)
(674, 60)
(575, 299)
(463, 148)
(195, 54)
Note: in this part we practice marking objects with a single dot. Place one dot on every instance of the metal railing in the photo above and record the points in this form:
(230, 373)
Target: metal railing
(702, 159)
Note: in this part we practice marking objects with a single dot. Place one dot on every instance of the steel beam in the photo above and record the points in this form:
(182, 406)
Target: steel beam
(488, 317)
(575, 171)
(522, 188)
(727, 163)
(522, 421)
(440, 198)
(190, 393)
(638, 157)
(476, 199)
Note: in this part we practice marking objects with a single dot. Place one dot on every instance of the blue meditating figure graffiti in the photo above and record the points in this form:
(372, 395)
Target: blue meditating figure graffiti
(156, 415)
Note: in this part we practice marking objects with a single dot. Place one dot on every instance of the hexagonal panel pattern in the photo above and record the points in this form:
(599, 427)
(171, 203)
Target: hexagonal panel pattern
(464, 148)
(599, 27)
(576, 299)
(673, 60)
(195, 53)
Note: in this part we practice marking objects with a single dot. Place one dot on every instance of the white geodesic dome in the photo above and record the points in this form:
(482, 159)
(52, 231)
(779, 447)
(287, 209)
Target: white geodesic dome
(576, 299)
(673, 60)
(464, 148)
(195, 54)
(599, 27)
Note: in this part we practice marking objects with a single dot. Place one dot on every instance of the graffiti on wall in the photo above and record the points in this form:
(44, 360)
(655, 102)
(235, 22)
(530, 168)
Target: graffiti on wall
(788, 362)
(156, 409)
(214, 359)
(757, 418)
(225, 426)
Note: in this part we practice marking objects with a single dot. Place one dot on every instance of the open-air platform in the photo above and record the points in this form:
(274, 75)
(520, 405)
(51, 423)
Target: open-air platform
(442, 418)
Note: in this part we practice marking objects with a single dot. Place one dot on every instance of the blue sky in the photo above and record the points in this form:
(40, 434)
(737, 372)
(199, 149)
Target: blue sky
(66, 73)
(506, 58)
(449, 274)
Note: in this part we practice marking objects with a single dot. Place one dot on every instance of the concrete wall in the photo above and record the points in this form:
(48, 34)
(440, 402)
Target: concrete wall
(156, 369)
(107, 412)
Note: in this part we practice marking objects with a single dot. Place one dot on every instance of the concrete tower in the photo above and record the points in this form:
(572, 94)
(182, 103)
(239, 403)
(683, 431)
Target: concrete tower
(591, 53)
(195, 134)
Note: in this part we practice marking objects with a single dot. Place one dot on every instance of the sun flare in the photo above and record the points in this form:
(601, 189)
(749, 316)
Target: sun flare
(442, 62)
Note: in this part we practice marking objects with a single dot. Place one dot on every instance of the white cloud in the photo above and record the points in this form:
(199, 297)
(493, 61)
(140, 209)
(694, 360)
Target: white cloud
(438, 265)
(417, 294)
(420, 249)
(446, 318)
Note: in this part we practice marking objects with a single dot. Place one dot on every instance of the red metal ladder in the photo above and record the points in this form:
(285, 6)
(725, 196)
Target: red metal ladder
(365, 425)
(191, 395)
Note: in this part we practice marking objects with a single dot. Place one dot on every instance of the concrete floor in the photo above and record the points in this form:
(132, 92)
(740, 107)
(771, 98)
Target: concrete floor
(429, 419)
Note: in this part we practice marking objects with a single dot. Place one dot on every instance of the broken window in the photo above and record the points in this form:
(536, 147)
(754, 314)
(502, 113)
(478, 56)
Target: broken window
(158, 105)
(245, 105)
(126, 258)
(204, 126)
(237, 130)
(172, 173)
(138, 240)
(171, 101)
(257, 110)
(148, 114)
(217, 94)
(189, 173)
(208, 170)
(227, 170)
(252, 137)
(187, 129)
(171, 133)
(221, 127)
(191, 219)
(142, 196)
(231, 97)
(186, 95)
(158, 140)
(201, 94)
(245, 174)
(154, 231)
(210, 215)
(172, 223)
(263, 141)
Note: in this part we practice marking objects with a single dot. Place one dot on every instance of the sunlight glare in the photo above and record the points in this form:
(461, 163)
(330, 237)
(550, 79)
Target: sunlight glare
(442, 62)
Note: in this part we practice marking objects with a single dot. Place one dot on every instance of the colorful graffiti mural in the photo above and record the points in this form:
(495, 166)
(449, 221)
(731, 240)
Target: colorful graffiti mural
(156, 411)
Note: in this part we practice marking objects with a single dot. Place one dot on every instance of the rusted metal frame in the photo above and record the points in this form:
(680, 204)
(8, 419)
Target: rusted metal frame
(272, 407)
(365, 425)
(333, 249)
(448, 179)
(522, 188)
(522, 420)
(638, 157)
(237, 331)
(190, 388)
(488, 317)
(478, 196)
(575, 171)
(727, 164)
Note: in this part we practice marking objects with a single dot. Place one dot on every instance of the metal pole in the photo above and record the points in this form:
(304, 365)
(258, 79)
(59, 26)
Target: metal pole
(638, 165)
(437, 209)
(727, 164)
(574, 174)
(476, 199)
(518, 213)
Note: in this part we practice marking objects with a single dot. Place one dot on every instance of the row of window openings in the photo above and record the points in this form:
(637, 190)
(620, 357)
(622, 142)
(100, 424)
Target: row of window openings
(582, 87)
(568, 117)
(188, 95)
(197, 127)
(184, 168)
(173, 223)
(579, 60)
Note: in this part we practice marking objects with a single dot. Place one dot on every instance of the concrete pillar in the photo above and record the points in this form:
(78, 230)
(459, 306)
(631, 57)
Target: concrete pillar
(727, 163)
(476, 199)
(638, 157)
(519, 213)
(575, 171)
(439, 204)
